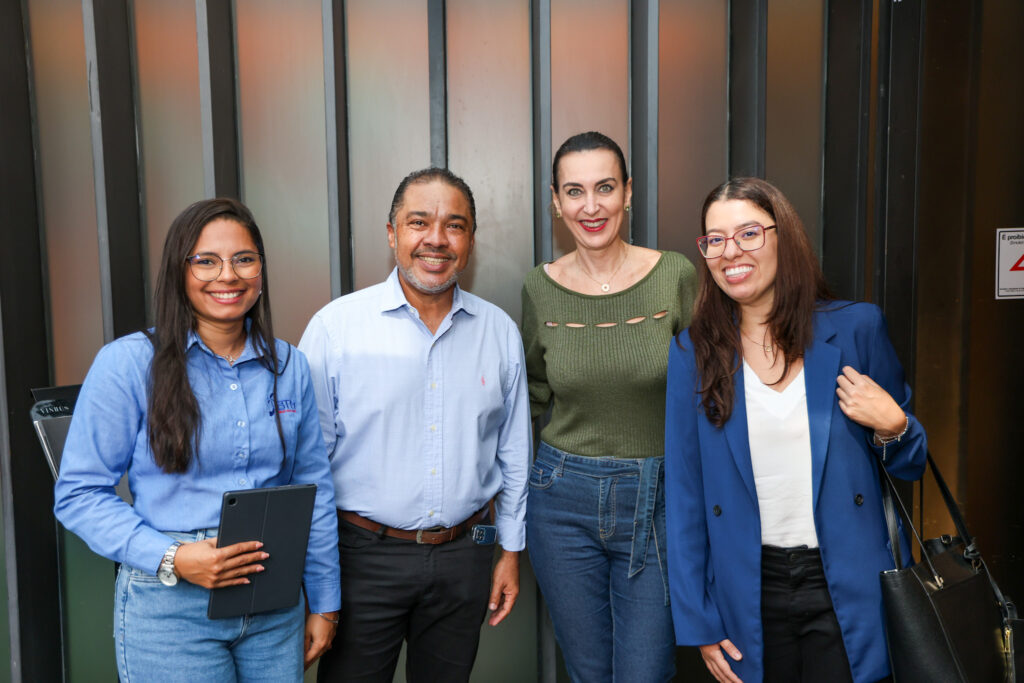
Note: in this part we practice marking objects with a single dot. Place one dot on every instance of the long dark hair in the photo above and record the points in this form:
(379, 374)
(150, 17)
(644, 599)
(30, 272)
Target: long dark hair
(174, 417)
(799, 286)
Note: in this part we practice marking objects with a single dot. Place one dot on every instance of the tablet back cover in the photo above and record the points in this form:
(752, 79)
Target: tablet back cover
(279, 517)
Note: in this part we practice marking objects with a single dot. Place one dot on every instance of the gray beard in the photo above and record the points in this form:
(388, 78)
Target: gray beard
(418, 285)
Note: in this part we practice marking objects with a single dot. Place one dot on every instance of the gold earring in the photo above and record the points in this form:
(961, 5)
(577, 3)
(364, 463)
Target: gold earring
(627, 208)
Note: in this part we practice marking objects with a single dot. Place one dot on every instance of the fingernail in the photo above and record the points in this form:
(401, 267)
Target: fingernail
(260, 568)
(266, 555)
(493, 606)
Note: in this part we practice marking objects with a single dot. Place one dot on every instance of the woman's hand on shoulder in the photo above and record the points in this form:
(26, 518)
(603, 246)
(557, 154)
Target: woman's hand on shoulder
(206, 565)
(862, 400)
(717, 663)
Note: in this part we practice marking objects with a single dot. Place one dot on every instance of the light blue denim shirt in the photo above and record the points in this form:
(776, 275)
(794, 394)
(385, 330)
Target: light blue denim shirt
(239, 448)
(422, 429)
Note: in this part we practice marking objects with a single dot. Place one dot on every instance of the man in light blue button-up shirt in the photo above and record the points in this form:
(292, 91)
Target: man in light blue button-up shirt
(424, 407)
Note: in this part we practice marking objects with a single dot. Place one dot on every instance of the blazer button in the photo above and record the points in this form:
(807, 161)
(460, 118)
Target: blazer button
(717, 510)
(858, 499)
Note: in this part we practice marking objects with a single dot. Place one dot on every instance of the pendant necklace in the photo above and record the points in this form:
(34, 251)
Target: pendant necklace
(766, 347)
(228, 357)
(605, 286)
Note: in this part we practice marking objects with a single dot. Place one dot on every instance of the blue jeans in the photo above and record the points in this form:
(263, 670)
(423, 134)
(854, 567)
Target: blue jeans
(596, 532)
(162, 633)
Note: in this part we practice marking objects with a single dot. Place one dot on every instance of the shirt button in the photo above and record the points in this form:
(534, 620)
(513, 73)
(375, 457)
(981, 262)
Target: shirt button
(433, 428)
(858, 499)
(717, 510)
(430, 514)
(433, 385)
(433, 471)
(241, 455)
(233, 387)
(242, 482)
(241, 423)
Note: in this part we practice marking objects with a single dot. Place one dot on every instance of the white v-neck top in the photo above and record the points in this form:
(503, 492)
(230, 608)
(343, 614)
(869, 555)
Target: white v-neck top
(780, 452)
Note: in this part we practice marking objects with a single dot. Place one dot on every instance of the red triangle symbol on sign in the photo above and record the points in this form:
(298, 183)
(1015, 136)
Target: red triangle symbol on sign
(1019, 265)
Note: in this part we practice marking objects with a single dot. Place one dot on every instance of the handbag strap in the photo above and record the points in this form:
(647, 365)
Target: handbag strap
(890, 521)
(970, 551)
(890, 494)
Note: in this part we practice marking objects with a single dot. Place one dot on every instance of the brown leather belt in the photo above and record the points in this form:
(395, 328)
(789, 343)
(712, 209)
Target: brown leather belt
(434, 536)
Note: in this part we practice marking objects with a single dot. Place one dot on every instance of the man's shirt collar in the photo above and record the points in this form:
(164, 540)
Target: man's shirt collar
(394, 297)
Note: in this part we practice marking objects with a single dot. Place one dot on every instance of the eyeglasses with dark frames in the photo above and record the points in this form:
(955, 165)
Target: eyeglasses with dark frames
(208, 267)
(749, 238)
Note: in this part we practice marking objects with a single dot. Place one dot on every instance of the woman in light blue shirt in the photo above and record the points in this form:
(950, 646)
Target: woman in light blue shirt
(208, 401)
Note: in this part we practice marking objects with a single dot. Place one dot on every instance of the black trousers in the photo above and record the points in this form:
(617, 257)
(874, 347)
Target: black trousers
(432, 596)
(802, 640)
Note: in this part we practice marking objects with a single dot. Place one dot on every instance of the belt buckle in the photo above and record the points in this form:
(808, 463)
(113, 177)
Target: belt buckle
(432, 530)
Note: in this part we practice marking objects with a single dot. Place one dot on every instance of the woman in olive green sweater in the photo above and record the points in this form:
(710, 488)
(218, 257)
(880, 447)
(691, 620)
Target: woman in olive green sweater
(597, 324)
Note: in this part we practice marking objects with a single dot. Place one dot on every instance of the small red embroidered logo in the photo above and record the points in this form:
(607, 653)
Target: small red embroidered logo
(482, 382)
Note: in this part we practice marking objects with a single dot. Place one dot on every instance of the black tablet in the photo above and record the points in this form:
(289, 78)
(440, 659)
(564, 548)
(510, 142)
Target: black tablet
(280, 517)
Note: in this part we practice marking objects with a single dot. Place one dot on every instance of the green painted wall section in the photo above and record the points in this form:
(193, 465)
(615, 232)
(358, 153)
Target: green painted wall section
(88, 612)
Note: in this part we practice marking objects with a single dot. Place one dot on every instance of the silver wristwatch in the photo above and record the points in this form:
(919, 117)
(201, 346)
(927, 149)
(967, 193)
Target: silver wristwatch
(166, 571)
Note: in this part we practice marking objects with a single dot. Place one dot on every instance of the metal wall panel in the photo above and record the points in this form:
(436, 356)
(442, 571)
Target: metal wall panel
(66, 177)
(994, 374)
(29, 575)
(589, 78)
(489, 139)
(72, 258)
(170, 133)
(693, 118)
(947, 174)
(283, 142)
(846, 171)
(389, 119)
(109, 55)
(794, 106)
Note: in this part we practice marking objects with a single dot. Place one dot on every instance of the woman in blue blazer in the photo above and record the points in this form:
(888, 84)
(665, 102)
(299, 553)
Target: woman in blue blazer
(780, 402)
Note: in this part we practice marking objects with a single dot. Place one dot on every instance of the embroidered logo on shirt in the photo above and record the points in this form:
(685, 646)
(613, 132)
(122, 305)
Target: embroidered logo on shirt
(482, 382)
(285, 405)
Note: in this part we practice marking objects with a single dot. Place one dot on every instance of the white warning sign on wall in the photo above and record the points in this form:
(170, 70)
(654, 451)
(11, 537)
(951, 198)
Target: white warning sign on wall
(1010, 263)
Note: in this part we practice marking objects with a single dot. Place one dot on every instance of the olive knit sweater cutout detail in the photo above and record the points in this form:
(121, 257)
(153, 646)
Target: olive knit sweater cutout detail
(600, 361)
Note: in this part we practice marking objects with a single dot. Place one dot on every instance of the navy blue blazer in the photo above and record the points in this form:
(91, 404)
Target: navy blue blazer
(713, 524)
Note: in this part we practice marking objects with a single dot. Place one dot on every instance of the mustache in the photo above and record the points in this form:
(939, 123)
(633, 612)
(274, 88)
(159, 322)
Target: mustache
(440, 253)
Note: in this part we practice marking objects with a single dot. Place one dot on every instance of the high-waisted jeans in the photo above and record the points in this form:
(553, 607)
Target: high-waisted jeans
(162, 633)
(802, 640)
(596, 535)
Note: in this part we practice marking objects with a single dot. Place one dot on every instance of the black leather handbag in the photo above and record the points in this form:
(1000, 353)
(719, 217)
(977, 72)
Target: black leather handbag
(946, 619)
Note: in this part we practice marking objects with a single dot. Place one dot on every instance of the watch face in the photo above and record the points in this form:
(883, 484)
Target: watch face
(167, 576)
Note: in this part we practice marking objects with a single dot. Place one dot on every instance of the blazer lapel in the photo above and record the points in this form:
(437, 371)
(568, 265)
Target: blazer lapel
(821, 368)
(736, 434)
